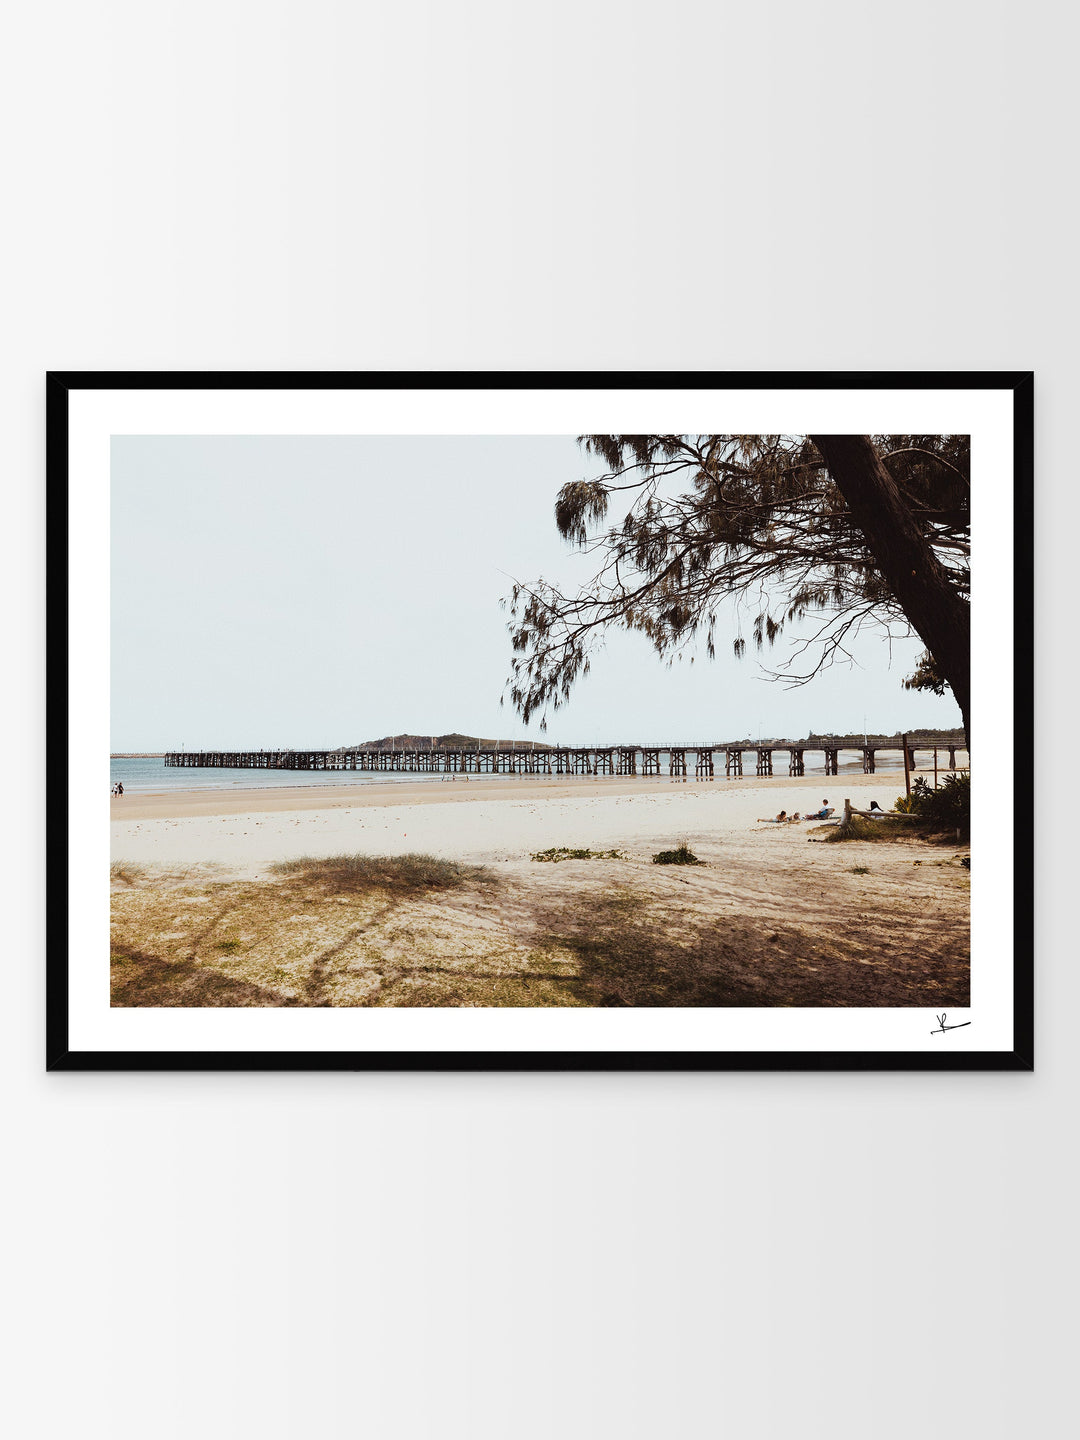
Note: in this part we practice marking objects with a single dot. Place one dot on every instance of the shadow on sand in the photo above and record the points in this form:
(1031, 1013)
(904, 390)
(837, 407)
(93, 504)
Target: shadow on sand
(629, 955)
(141, 979)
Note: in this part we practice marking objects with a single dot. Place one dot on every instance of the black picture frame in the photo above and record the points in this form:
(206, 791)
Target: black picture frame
(61, 385)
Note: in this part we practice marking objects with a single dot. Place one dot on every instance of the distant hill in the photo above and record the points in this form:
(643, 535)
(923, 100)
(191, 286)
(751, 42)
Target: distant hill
(854, 742)
(442, 742)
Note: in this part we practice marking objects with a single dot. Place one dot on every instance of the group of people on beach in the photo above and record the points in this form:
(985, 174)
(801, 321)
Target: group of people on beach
(823, 814)
(118, 788)
(785, 819)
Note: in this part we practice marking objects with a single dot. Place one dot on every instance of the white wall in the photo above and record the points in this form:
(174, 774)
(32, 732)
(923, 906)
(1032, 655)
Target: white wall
(348, 185)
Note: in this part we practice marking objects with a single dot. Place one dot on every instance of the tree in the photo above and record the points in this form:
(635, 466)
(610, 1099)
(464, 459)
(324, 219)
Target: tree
(926, 676)
(851, 529)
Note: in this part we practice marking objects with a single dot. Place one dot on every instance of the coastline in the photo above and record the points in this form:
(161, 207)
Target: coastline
(501, 821)
(201, 917)
(176, 803)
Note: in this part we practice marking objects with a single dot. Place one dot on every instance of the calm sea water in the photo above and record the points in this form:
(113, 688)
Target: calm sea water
(144, 775)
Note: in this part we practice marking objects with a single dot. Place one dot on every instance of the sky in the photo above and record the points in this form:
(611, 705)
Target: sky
(318, 591)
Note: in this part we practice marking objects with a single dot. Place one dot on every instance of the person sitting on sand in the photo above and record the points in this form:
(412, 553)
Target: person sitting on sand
(822, 814)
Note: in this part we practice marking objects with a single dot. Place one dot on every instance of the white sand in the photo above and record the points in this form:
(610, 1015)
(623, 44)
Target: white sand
(521, 820)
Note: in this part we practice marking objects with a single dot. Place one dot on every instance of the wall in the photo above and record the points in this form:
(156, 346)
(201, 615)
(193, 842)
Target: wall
(262, 185)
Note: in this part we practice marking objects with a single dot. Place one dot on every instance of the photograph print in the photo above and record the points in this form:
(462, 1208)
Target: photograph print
(442, 731)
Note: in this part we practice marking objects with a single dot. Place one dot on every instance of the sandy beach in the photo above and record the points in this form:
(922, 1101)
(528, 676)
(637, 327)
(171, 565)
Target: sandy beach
(202, 917)
(488, 820)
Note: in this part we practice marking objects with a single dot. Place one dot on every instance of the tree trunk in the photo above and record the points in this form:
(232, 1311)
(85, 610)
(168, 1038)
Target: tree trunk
(914, 574)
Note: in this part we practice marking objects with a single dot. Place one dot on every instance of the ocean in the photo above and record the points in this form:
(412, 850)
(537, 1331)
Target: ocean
(151, 774)
(148, 774)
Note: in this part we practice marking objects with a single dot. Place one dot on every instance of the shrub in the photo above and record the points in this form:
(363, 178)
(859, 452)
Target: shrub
(683, 855)
(560, 852)
(947, 808)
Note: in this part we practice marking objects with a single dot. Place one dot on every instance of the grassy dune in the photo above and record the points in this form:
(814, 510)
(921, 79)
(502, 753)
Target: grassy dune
(416, 931)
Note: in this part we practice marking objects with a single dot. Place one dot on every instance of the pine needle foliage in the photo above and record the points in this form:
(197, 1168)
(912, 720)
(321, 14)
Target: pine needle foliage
(681, 523)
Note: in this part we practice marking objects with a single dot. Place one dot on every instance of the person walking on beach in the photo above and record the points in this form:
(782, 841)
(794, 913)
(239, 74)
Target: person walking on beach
(119, 787)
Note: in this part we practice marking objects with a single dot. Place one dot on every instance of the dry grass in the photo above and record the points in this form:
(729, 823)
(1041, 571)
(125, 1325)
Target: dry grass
(888, 828)
(124, 872)
(413, 931)
(400, 874)
(348, 930)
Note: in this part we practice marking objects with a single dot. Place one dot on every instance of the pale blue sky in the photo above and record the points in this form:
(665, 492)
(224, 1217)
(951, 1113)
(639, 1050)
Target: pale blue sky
(320, 591)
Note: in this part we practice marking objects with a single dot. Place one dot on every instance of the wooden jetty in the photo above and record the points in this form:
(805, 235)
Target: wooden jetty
(730, 758)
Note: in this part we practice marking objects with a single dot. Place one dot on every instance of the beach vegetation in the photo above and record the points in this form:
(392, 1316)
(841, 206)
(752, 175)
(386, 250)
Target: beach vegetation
(939, 814)
(592, 939)
(402, 874)
(124, 872)
(859, 828)
(560, 852)
(857, 530)
(681, 855)
(944, 807)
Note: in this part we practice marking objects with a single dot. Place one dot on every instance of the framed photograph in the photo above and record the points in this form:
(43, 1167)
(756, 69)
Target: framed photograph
(540, 721)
